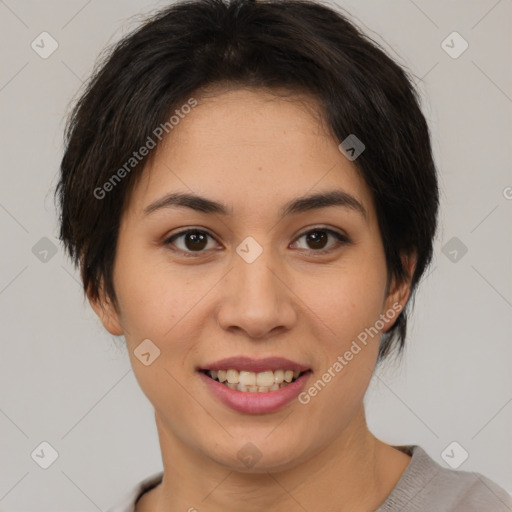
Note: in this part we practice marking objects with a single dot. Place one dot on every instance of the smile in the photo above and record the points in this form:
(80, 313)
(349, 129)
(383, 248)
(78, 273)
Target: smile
(255, 386)
(252, 382)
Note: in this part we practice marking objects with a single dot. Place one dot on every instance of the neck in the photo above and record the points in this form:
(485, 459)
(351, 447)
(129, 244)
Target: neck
(354, 472)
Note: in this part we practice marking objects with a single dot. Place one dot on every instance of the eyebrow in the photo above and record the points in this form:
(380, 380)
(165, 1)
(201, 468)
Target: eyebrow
(298, 205)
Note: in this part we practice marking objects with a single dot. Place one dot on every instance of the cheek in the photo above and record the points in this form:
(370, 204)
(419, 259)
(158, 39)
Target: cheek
(160, 302)
(342, 316)
(163, 307)
(144, 295)
(345, 300)
(344, 305)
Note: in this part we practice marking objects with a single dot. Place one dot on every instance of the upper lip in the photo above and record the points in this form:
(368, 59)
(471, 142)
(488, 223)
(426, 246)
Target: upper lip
(255, 365)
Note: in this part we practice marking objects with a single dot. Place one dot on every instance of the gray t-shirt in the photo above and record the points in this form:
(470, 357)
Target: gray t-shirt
(424, 486)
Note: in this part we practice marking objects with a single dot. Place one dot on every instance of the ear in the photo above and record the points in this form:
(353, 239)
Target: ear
(399, 292)
(106, 311)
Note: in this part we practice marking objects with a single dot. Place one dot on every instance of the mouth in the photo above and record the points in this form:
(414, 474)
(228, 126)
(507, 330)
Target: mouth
(254, 382)
(255, 386)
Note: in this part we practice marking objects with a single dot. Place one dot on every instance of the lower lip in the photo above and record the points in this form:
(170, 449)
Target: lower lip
(257, 402)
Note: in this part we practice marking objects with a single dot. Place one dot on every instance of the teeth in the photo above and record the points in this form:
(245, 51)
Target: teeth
(232, 376)
(279, 376)
(265, 379)
(248, 379)
(252, 382)
(288, 375)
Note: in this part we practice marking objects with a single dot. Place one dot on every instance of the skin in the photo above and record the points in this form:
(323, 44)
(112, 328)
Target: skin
(254, 151)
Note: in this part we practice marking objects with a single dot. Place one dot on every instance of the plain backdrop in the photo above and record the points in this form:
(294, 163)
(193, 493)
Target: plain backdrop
(65, 381)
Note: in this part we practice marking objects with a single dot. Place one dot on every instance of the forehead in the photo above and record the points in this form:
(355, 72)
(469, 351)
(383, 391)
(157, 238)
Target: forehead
(249, 149)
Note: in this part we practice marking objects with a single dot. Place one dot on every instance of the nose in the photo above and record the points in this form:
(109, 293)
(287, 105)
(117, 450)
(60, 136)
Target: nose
(256, 299)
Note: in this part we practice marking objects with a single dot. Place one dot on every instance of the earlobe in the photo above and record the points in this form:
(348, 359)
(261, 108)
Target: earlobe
(106, 312)
(399, 292)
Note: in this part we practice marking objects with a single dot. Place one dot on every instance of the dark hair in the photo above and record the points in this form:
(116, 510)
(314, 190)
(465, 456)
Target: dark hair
(298, 45)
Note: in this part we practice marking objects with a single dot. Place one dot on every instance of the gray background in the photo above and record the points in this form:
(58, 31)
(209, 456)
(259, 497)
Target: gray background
(65, 381)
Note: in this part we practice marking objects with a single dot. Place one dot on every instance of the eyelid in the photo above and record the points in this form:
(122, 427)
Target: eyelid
(319, 227)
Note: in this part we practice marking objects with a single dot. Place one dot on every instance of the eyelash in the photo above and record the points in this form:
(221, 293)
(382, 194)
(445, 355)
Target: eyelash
(341, 240)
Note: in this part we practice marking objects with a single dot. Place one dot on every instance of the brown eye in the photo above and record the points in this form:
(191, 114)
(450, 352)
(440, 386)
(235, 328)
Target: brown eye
(190, 241)
(195, 241)
(317, 240)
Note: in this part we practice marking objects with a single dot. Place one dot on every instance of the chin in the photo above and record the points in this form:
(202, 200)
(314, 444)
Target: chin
(260, 454)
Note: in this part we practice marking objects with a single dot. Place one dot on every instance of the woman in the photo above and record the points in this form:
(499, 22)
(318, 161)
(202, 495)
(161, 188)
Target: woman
(249, 191)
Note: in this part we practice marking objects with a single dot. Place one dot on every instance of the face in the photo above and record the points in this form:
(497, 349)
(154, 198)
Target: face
(252, 273)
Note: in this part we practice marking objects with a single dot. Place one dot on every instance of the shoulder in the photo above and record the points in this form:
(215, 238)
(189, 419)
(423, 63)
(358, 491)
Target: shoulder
(127, 504)
(425, 486)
